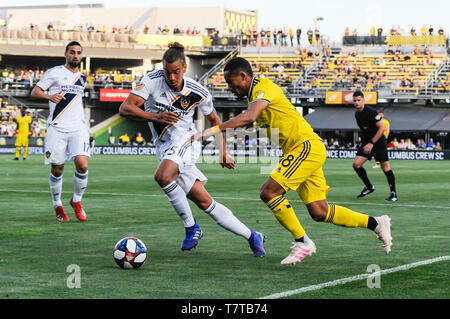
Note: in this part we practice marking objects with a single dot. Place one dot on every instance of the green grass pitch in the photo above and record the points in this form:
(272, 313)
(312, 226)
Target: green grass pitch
(123, 199)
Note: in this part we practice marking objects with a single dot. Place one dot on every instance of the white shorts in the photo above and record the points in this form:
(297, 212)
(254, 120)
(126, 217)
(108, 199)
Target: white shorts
(59, 145)
(185, 155)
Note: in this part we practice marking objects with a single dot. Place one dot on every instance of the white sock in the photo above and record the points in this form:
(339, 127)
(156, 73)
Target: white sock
(79, 185)
(177, 197)
(225, 218)
(56, 189)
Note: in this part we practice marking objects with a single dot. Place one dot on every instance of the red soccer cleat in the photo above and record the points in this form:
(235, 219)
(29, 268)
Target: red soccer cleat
(61, 215)
(79, 211)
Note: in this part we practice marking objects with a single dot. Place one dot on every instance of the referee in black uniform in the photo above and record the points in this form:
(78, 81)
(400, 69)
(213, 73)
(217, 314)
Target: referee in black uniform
(373, 144)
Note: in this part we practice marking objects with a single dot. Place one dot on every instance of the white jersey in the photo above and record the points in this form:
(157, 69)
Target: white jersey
(160, 98)
(67, 115)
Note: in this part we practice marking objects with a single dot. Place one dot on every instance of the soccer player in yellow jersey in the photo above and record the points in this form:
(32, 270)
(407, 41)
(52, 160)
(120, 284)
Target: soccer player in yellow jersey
(386, 132)
(23, 123)
(300, 169)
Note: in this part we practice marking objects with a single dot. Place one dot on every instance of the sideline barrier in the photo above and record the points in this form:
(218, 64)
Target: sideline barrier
(427, 155)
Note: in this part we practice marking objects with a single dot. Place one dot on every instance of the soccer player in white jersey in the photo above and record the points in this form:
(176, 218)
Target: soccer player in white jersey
(67, 132)
(169, 99)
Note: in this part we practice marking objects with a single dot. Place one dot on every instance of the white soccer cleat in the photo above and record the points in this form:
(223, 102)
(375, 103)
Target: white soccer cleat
(299, 251)
(383, 232)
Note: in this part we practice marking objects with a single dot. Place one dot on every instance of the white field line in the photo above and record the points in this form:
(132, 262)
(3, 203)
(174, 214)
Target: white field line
(356, 202)
(354, 278)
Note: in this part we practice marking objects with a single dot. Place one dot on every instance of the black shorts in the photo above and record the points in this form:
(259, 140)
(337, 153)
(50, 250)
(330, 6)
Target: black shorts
(379, 152)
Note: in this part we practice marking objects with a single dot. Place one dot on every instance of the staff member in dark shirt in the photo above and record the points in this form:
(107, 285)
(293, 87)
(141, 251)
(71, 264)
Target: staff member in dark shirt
(373, 145)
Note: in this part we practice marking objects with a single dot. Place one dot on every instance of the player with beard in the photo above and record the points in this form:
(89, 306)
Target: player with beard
(67, 131)
(300, 168)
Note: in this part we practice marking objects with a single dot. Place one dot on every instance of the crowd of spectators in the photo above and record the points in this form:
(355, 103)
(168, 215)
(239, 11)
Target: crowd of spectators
(282, 36)
(347, 73)
(394, 144)
(25, 77)
(125, 140)
(20, 78)
(8, 127)
(397, 31)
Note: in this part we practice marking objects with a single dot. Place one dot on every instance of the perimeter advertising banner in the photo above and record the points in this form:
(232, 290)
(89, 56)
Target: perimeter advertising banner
(113, 95)
(423, 155)
(346, 97)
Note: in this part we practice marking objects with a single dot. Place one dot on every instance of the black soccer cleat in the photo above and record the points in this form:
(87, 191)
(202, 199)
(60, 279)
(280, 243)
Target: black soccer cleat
(392, 198)
(366, 191)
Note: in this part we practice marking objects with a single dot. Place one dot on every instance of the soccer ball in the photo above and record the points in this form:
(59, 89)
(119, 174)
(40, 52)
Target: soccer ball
(130, 253)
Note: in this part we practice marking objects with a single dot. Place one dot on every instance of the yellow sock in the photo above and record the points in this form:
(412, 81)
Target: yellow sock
(25, 151)
(17, 152)
(342, 216)
(285, 215)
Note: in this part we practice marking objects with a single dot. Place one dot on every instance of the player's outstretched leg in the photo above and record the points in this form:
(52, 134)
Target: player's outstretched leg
(225, 218)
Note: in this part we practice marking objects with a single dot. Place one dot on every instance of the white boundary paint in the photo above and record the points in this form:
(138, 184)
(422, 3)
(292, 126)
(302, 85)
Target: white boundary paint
(343, 281)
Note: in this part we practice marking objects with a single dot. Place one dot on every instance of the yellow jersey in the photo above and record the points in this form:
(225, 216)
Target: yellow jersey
(23, 123)
(386, 125)
(280, 117)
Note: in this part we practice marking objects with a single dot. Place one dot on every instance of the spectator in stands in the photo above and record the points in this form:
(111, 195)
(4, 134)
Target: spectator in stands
(310, 36)
(390, 146)
(291, 36)
(424, 30)
(275, 35)
(402, 145)
(430, 30)
(441, 31)
(111, 139)
(430, 144)
(124, 139)
(395, 142)
(380, 32)
(438, 146)
(358, 142)
(413, 31)
(139, 139)
(421, 144)
(317, 36)
(298, 33)
(410, 145)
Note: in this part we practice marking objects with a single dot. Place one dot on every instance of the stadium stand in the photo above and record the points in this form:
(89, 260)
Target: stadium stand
(282, 69)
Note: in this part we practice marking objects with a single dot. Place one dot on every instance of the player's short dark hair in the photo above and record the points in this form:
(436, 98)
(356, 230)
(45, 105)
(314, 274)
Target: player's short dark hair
(238, 64)
(174, 53)
(358, 93)
(72, 43)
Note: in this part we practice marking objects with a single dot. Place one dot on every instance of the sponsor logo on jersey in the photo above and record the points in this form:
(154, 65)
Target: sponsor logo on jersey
(259, 94)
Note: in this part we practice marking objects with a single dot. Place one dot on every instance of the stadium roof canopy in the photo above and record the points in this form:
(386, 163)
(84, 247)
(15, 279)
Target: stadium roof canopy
(423, 119)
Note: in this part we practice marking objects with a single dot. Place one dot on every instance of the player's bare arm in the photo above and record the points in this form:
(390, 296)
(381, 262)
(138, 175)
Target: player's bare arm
(225, 159)
(381, 129)
(243, 119)
(131, 108)
(38, 93)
